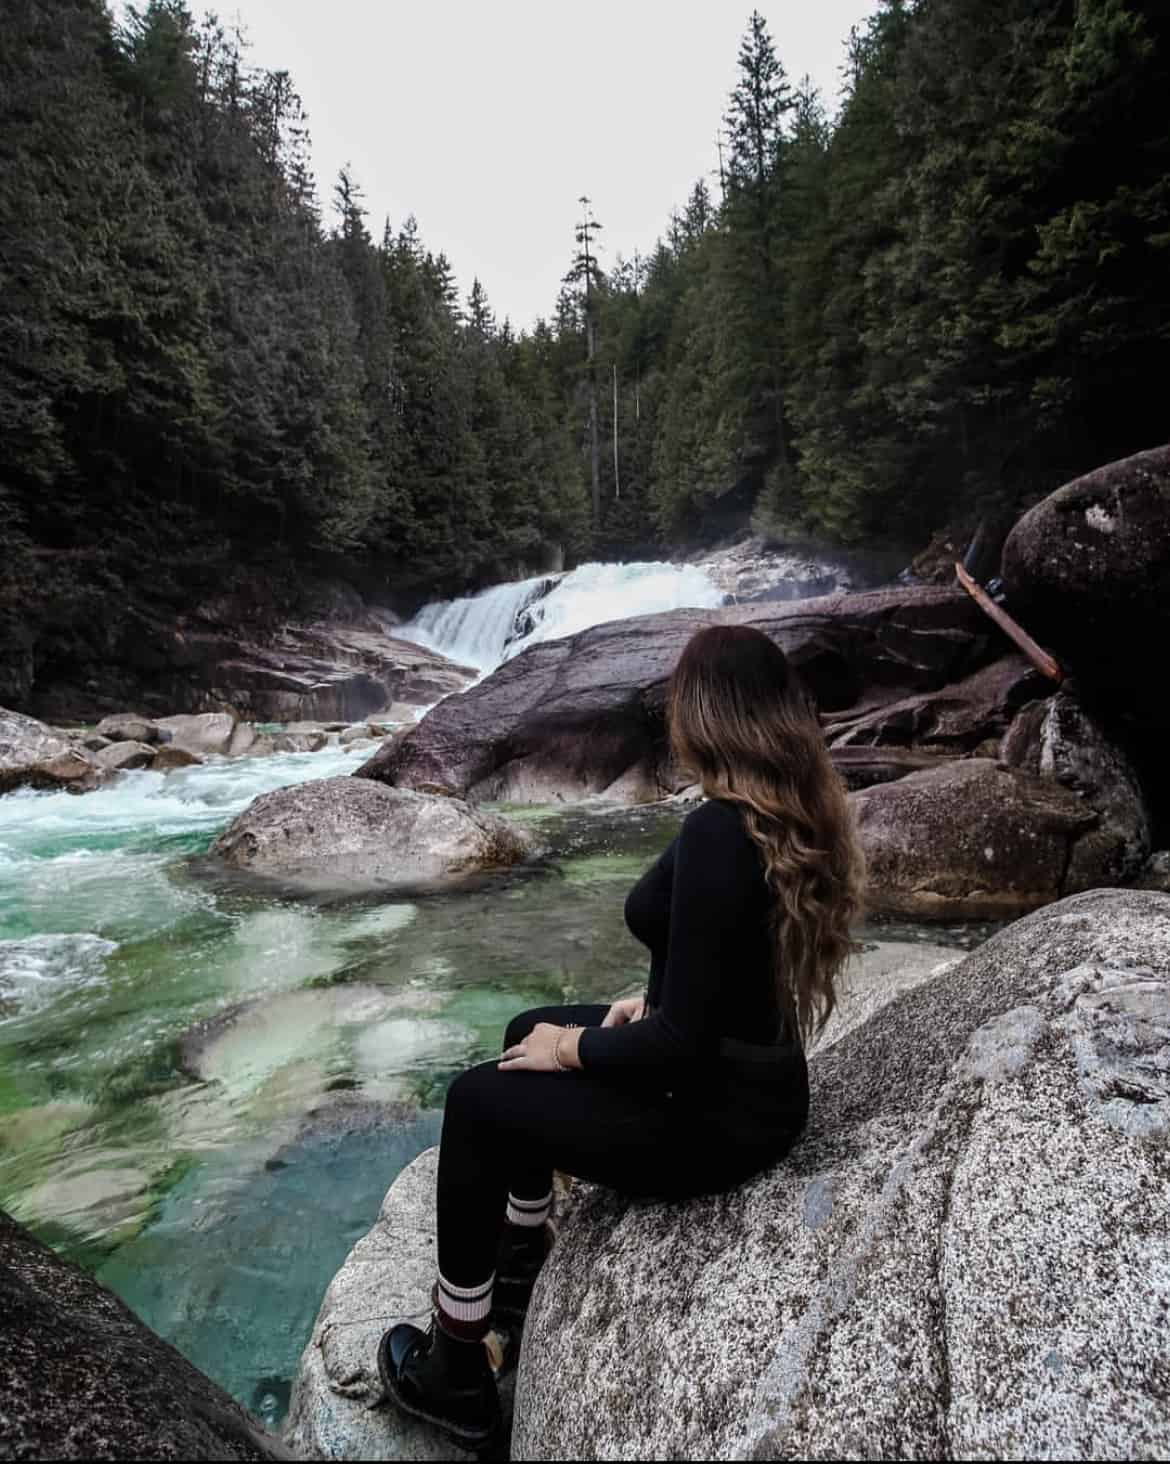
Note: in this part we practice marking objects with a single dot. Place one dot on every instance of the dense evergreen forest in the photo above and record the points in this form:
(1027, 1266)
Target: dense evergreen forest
(933, 307)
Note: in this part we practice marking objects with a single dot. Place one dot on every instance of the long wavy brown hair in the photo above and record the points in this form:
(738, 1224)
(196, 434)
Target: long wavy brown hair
(742, 723)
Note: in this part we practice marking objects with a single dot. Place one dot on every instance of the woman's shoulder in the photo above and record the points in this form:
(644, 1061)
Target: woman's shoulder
(714, 816)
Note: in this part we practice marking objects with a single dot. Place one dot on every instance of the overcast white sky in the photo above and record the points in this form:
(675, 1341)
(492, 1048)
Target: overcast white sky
(488, 120)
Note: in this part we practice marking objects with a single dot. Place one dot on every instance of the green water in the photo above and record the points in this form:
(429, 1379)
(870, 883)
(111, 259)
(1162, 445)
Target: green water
(205, 1090)
(215, 1172)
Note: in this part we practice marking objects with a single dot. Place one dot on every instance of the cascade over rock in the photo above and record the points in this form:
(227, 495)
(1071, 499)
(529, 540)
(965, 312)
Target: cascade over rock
(83, 1378)
(569, 717)
(964, 1257)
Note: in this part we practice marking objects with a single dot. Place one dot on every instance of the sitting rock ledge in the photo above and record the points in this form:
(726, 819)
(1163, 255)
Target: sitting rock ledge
(965, 1257)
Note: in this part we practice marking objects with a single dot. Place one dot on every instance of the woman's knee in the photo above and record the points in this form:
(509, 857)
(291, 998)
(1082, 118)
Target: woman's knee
(520, 1026)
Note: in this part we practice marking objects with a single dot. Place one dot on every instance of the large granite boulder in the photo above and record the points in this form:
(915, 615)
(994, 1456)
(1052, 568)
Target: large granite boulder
(964, 1257)
(568, 718)
(1087, 570)
(33, 755)
(349, 832)
(83, 1378)
(975, 840)
(202, 732)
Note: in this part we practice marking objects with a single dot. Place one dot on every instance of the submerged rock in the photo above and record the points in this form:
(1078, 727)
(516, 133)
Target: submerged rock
(83, 1378)
(964, 1257)
(350, 831)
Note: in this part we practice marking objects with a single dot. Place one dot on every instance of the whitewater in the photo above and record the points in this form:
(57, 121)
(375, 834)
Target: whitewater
(486, 629)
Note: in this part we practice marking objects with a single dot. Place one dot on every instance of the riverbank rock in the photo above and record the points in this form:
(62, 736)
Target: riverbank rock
(126, 756)
(964, 1257)
(335, 656)
(352, 832)
(33, 755)
(565, 719)
(129, 727)
(83, 1378)
(202, 733)
(754, 569)
(973, 840)
(1087, 570)
(166, 759)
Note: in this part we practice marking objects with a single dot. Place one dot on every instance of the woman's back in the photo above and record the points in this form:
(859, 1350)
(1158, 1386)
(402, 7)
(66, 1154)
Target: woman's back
(722, 888)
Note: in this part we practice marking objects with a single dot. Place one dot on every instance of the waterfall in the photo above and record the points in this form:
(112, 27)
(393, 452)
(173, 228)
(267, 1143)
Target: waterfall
(475, 630)
(485, 629)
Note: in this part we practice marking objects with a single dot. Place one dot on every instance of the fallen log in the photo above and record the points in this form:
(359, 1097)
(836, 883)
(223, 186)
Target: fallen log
(1043, 662)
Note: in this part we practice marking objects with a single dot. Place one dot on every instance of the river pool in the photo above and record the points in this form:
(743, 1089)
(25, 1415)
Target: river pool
(205, 1090)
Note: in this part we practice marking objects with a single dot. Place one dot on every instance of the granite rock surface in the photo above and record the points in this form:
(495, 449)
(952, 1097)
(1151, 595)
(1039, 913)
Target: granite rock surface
(965, 1257)
(82, 1378)
(352, 832)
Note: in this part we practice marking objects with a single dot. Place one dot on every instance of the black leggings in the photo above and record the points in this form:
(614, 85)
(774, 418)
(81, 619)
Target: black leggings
(505, 1132)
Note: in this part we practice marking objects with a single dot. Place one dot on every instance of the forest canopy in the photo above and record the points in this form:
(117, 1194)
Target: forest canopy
(937, 304)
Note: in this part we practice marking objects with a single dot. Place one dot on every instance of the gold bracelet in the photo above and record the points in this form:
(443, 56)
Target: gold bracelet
(560, 1066)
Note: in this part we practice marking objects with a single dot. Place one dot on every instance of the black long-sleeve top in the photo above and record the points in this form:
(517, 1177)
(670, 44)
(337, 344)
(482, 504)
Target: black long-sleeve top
(703, 909)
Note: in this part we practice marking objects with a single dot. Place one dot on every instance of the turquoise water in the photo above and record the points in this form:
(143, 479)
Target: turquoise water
(205, 1091)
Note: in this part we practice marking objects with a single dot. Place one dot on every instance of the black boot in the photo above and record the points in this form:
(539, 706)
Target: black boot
(523, 1249)
(444, 1380)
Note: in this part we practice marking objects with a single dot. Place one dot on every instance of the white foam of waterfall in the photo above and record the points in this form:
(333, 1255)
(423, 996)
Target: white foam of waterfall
(473, 630)
(485, 629)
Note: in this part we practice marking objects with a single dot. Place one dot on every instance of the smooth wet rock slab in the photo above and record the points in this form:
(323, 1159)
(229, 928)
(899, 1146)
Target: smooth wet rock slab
(965, 1257)
(354, 832)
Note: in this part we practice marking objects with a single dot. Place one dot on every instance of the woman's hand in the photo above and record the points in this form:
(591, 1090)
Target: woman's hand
(539, 1051)
(629, 1009)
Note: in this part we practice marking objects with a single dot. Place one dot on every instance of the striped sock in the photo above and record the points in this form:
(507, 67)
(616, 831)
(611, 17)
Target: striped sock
(528, 1213)
(464, 1310)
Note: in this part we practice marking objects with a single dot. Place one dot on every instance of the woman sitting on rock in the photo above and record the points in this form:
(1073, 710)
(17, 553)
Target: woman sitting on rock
(694, 1088)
